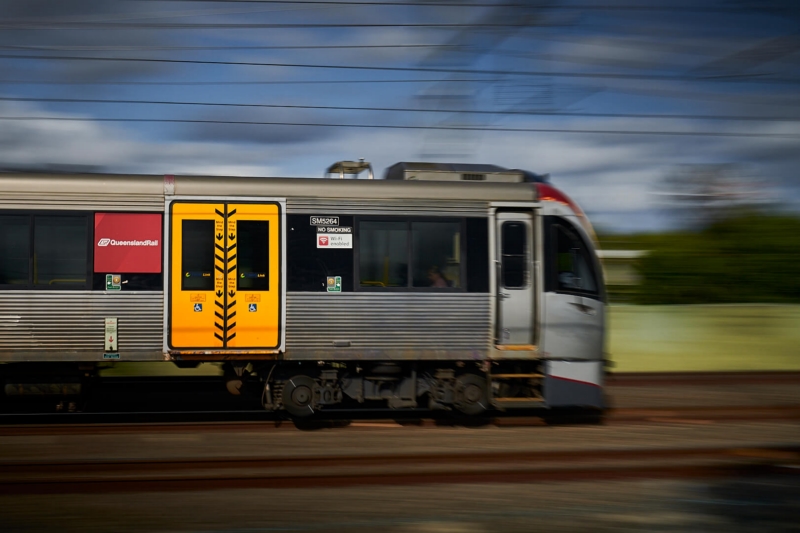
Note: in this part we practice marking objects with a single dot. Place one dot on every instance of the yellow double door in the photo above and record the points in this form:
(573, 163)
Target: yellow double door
(225, 276)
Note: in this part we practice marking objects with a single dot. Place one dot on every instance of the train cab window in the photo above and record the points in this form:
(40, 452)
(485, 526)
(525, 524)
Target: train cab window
(574, 271)
(514, 251)
(252, 255)
(436, 254)
(197, 255)
(383, 254)
(14, 250)
(60, 250)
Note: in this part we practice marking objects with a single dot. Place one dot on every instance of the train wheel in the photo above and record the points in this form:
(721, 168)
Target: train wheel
(470, 394)
(298, 396)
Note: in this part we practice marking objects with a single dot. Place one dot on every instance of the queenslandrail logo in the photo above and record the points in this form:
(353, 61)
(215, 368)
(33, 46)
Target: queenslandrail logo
(114, 242)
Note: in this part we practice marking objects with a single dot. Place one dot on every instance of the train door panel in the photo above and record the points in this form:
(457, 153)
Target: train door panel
(574, 308)
(515, 279)
(225, 279)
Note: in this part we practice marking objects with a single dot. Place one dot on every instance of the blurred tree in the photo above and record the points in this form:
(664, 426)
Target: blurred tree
(697, 195)
(743, 259)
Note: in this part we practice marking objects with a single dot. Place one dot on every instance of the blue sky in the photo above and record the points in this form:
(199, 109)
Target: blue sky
(566, 75)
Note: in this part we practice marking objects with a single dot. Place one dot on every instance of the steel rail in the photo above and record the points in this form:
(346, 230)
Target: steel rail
(212, 421)
(212, 473)
(634, 379)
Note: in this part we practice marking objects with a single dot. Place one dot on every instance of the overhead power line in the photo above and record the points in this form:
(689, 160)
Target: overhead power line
(757, 78)
(503, 5)
(230, 82)
(410, 127)
(658, 93)
(88, 25)
(72, 48)
(410, 109)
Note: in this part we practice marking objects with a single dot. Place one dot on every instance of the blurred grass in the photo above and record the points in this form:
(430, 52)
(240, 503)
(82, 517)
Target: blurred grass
(686, 338)
(651, 338)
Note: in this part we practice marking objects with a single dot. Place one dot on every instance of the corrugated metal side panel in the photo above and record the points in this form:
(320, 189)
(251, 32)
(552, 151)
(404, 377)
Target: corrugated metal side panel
(315, 206)
(388, 321)
(82, 202)
(74, 320)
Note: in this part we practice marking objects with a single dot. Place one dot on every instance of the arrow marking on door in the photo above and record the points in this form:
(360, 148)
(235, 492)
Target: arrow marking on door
(219, 266)
(230, 273)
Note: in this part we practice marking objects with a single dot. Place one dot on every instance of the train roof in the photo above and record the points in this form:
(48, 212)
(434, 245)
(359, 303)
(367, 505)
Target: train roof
(461, 172)
(46, 186)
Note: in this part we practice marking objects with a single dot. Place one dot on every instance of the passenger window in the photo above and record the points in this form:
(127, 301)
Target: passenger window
(383, 254)
(60, 250)
(307, 266)
(436, 254)
(15, 238)
(477, 255)
(252, 251)
(197, 255)
(51, 251)
(573, 262)
(514, 251)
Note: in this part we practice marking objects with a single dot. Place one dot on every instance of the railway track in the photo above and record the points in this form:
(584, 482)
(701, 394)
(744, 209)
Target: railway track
(209, 473)
(128, 403)
(56, 477)
(639, 379)
(105, 423)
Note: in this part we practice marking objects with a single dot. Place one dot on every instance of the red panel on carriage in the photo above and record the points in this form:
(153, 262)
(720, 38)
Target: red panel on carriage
(127, 243)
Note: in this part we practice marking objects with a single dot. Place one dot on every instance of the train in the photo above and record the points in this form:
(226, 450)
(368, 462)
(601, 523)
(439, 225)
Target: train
(458, 287)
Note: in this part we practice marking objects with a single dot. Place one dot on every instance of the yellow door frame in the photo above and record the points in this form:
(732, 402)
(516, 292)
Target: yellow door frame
(228, 309)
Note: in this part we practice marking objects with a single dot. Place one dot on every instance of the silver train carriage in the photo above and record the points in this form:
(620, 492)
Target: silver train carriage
(464, 287)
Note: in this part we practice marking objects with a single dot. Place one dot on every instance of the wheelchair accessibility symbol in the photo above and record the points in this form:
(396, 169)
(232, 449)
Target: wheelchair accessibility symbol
(253, 308)
(198, 308)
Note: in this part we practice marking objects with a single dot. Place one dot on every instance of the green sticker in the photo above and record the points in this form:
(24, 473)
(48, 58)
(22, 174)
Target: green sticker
(334, 284)
(113, 282)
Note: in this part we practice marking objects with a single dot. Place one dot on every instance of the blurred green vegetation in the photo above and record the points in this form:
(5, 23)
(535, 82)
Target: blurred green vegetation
(704, 338)
(749, 258)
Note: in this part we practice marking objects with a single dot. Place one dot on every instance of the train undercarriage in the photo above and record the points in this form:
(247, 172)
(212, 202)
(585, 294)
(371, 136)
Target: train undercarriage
(470, 388)
(307, 390)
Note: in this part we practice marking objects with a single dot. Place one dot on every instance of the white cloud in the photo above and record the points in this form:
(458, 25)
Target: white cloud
(610, 175)
(36, 144)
